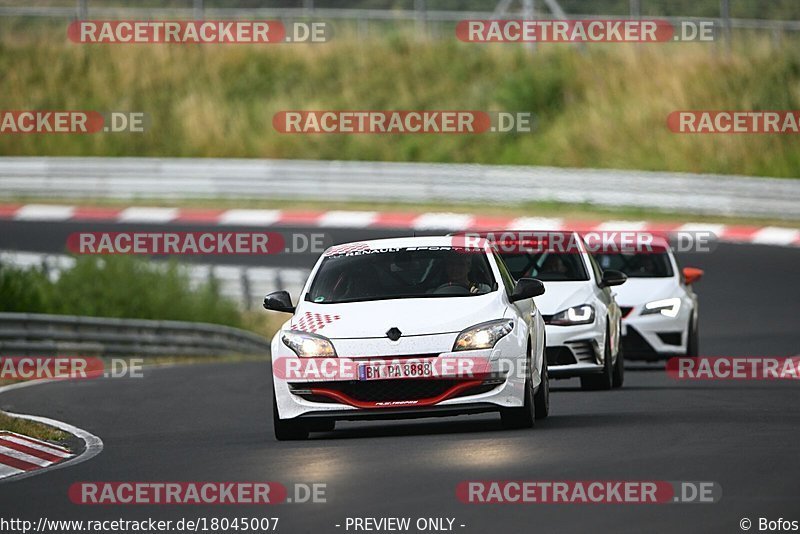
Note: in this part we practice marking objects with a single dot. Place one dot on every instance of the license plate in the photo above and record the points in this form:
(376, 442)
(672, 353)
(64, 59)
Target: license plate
(386, 371)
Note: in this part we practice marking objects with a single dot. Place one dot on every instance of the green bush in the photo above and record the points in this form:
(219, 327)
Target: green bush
(24, 290)
(116, 286)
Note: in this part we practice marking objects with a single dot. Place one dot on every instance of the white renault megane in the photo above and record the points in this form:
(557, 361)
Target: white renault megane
(582, 317)
(378, 321)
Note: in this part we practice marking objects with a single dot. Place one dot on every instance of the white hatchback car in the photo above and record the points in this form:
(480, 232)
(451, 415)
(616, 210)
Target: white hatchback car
(582, 316)
(659, 308)
(371, 307)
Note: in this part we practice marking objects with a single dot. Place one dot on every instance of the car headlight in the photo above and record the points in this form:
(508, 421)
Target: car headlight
(666, 307)
(583, 314)
(307, 345)
(484, 335)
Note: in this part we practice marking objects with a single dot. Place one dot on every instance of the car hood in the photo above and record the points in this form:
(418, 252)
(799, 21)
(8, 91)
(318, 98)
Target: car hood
(371, 319)
(637, 291)
(559, 296)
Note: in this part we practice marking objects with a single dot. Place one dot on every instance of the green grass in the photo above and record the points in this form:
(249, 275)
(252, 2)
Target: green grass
(601, 106)
(30, 428)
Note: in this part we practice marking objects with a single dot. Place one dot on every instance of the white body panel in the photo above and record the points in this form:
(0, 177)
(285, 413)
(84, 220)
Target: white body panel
(429, 326)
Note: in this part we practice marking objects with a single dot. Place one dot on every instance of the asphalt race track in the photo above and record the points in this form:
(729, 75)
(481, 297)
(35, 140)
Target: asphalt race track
(213, 423)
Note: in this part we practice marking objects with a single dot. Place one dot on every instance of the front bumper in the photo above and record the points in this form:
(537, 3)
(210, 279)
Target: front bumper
(500, 387)
(574, 350)
(654, 337)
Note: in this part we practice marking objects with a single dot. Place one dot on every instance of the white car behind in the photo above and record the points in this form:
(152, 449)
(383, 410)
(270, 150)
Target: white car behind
(659, 307)
(582, 317)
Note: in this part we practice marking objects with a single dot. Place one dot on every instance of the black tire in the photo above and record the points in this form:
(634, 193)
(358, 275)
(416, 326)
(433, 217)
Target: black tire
(322, 425)
(286, 429)
(541, 400)
(693, 339)
(601, 381)
(515, 418)
(619, 370)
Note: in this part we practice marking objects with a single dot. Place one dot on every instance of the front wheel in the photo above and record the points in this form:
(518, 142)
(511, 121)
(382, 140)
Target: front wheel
(619, 370)
(514, 418)
(605, 379)
(693, 339)
(286, 429)
(541, 400)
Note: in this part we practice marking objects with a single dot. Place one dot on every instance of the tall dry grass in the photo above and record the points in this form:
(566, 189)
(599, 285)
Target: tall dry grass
(603, 106)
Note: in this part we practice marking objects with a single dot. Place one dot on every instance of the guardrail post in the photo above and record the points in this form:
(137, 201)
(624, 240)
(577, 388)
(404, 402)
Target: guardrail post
(529, 13)
(246, 296)
(420, 18)
(198, 10)
(635, 9)
(725, 15)
(83, 9)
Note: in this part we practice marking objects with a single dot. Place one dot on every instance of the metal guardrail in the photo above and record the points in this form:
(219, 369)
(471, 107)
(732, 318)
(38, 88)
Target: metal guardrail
(23, 334)
(178, 178)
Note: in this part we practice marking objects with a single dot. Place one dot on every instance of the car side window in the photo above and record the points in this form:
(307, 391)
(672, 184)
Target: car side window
(508, 280)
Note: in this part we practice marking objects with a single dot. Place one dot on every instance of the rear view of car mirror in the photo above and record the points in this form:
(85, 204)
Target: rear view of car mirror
(527, 288)
(279, 301)
(692, 274)
(613, 278)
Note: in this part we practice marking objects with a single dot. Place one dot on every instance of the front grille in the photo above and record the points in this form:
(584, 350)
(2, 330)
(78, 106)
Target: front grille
(381, 390)
(634, 345)
(583, 350)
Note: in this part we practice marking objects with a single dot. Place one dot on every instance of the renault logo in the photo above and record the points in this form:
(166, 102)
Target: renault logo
(394, 333)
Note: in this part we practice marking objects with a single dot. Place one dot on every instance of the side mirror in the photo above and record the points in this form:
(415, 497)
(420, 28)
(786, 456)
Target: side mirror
(279, 301)
(527, 288)
(692, 274)
(613, 278)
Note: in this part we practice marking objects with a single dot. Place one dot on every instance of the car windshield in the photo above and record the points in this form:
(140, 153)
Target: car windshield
(637, 265)
(546, 266)
(413, 272)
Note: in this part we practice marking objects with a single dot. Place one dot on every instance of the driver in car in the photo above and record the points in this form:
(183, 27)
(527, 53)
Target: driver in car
(457, 269)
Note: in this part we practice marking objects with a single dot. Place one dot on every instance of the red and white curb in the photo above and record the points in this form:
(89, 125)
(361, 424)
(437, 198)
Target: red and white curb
(23, 457)
(20, 454)
(769, 235)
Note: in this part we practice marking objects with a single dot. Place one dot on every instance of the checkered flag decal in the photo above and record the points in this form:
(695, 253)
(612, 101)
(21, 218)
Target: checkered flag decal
(311, 322)
(344, 249)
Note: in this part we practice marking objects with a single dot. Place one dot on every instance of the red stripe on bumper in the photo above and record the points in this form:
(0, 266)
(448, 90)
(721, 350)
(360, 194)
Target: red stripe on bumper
(344, 399)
